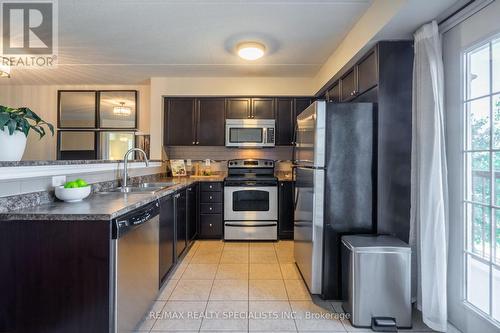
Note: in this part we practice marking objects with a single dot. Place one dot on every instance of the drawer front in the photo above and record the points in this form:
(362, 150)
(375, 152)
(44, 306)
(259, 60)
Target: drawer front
(211, 197)
(211, 186)
(214, 208)
(211, 226)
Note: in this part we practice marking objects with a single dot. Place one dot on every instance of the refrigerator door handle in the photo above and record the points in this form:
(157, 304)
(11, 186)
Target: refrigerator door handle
(296, 198)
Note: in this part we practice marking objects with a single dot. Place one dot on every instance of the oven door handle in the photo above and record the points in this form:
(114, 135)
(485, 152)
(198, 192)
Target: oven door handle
(251, 225)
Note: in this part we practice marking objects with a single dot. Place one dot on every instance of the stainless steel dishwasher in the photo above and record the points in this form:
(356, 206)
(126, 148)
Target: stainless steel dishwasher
(134, 281)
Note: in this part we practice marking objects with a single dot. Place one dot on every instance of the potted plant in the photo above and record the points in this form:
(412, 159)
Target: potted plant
(15, 125)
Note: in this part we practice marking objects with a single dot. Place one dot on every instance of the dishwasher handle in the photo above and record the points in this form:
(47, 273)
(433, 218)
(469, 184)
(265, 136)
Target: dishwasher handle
(134, 219)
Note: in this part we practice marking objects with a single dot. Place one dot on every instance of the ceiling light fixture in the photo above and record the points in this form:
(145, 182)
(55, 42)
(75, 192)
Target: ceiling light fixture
(251, 50)
(4, 69)
(122, 110)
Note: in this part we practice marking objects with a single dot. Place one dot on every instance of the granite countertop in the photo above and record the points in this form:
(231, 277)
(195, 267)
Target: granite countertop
(63, 162)
(103, 206)
(100, 206)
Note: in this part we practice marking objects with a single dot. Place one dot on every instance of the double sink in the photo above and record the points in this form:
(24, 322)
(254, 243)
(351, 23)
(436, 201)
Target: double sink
(143, 188)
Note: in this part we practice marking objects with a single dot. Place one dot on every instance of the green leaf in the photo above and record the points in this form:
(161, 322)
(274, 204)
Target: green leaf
(4, 119)
(12, 125)
(50, 126)
(19, 119)
(25, 127)
(38, 131)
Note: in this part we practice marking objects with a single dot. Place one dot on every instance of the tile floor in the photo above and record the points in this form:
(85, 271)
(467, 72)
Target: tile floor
(243, 287)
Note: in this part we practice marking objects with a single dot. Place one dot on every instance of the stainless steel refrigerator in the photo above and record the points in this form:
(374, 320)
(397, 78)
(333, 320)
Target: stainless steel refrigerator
(335, 178)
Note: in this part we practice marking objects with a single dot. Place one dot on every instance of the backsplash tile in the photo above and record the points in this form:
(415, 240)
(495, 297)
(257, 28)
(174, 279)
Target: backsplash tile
(223, 154)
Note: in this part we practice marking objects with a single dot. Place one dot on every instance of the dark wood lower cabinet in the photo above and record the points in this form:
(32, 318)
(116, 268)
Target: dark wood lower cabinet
(181, 222)
(285, 210)
(211, 210)
(192, 212)
(167, 236)
(211, 226)
(55, 276)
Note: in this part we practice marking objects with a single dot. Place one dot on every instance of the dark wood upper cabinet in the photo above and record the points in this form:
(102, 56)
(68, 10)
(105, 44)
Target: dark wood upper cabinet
(367, 73)
(238, 108)
(179, 121)
(301, 104)
(210, 122)
(384, 76)
(333, 95)
(201, 120)
(262, 108)
(285, 119)
(348, 86)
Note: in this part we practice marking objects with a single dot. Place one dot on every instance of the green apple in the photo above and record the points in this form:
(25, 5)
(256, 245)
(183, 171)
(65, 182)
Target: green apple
(81, 182)
(71, 185)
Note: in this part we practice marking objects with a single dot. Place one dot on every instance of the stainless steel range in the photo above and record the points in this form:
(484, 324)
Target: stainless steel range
(251, 200)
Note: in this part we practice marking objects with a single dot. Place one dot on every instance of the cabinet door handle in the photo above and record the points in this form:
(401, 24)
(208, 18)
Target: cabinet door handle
(210, 225)
(197, 142)
(194, 142)
(210, 197)
(210, 208)
(210, 186)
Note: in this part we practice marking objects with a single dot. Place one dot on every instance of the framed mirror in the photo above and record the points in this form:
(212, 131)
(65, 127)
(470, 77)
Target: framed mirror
(118, 109)
(114, 145)
(76, 145)
(77, 109)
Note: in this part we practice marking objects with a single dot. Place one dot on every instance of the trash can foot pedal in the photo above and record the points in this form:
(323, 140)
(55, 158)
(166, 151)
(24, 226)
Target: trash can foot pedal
(384, 324)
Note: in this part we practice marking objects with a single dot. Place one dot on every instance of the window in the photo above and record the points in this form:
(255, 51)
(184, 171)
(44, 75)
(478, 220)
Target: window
(482, 177)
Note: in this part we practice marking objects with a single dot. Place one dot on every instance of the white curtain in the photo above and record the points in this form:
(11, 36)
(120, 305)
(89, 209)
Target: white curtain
(429, 202)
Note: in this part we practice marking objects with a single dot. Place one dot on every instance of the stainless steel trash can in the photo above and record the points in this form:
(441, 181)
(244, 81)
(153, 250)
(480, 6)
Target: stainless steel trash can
(376, 281)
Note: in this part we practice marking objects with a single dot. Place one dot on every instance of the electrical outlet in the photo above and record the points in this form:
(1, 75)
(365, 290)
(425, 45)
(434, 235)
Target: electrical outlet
(58, 180)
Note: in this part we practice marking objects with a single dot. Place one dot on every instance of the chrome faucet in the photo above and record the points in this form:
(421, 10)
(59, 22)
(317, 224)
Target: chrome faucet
(125, 164)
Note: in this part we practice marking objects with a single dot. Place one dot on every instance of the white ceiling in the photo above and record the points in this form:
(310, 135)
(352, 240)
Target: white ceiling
(128, 41)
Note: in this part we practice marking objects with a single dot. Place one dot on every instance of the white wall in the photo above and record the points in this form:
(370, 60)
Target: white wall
(216, 86)
(42, 99)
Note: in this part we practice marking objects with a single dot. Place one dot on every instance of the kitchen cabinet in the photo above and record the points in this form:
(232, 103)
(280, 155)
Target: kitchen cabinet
(179, 123)
(210, 122)
(262, 108)
(361, 78)
(167, 235)
(194, 121)
(301, 104)
(285, 120)
(180, 222)
(348, 88)
(201, 120)
(238, 108)
(211, 226)
(287, 110)
(384, 76)
(60, 268)
(250, 108)
(211, 210)
(285, 209)
(367, 73)
(333, 94)
(192, 212)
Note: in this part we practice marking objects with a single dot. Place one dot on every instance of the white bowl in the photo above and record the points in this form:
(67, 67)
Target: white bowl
(72, 194)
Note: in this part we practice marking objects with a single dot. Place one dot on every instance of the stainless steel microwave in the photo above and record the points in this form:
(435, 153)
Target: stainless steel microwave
(250, 133)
